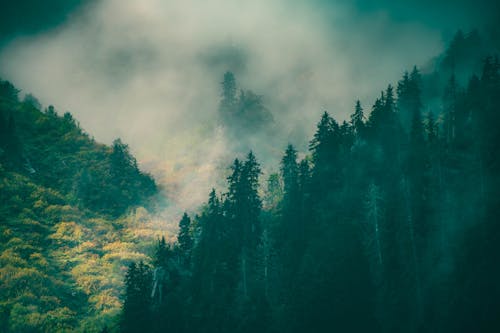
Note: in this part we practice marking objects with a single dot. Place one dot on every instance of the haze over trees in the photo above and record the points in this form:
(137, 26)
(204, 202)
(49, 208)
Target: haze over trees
(388, 223)
(242, 110)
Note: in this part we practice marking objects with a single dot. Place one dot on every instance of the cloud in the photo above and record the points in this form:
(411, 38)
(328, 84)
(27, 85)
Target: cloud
(148, 71)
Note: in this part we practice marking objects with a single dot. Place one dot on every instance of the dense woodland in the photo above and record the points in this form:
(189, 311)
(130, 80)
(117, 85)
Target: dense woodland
(67, 220)
(389, 223)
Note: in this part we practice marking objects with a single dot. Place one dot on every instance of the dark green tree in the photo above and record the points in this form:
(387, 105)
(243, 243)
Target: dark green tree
(185, 238)
(136, 315)
(290, 172)
(357, 119)
(409, 97)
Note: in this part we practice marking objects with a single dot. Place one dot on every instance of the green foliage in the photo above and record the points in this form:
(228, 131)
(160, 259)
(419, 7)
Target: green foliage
(62, 259)
(383, 223)
(54, 152)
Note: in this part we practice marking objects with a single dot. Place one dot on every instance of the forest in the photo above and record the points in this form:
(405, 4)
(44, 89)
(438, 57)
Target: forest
(387, 223)
(64, 229)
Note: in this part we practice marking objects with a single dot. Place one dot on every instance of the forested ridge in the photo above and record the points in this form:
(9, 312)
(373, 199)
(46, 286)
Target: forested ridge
(67, 220)
(388, 223)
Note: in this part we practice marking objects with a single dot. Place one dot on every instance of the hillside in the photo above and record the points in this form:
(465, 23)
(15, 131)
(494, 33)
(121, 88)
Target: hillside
(71, 216)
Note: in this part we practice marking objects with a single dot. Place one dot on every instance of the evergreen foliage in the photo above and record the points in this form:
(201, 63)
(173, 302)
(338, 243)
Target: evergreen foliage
(389, 223)
(386, 220)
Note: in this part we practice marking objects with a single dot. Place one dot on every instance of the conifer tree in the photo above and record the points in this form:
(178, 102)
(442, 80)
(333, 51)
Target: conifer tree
(324, 148)
(289, 172)
(185, 239)
(136, 315)
(357, 119)
(162, 253)
(228, 103)
(450, 104)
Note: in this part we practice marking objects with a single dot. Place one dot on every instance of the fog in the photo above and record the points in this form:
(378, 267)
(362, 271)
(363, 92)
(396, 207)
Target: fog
(149, 71)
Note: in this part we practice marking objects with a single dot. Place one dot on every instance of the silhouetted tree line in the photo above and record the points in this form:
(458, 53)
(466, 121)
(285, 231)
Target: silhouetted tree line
(390, 224)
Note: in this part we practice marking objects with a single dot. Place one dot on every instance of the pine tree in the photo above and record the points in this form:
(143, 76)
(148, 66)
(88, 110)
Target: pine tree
(8, 91)
(450, 104)
(127, 185)
(409, 97)
(357, 119)
(377, 115)
(292, 224)
(228, 103)
(136, 315)
(243, 207)
(274, 193)
(325, 148)
(289, 172)
(210, 249)
(389, 102)
(304, 176)
(321, 141)
(162, 253)
(185, 239)
(250, 205)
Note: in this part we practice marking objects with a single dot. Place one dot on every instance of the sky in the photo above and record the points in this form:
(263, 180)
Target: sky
(149, 71)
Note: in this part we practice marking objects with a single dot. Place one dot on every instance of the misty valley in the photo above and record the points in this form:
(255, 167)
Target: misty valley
(375, 215)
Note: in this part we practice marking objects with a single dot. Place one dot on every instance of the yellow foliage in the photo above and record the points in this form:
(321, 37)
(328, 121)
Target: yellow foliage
(10, 257)
(66, 212)
(92, 275)
(7, 233)
(16, 281)
(87, 246)
(118, 247)
(105, 301)
(40, 204)
(69, 232)
(14, 241)
(141, 215)
(59, 320)
(38, 260)
(28, 222)
(148, 235)
(127, 257)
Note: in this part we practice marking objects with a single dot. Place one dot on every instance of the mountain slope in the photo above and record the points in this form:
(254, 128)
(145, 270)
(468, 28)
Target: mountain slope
(65, 234)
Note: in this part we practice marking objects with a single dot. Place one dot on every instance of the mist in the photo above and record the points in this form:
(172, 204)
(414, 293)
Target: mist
(149, 72)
